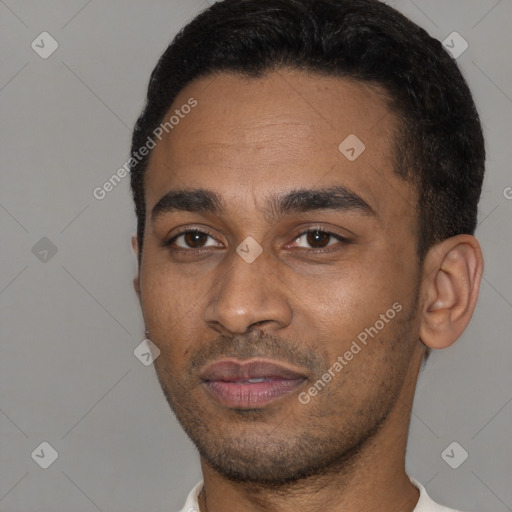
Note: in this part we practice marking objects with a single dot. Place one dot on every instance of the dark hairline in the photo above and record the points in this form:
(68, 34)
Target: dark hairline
(438, 144)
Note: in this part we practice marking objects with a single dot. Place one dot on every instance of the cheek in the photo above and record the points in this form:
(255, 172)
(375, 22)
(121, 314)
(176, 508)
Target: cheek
(342, 305)
(172, 308)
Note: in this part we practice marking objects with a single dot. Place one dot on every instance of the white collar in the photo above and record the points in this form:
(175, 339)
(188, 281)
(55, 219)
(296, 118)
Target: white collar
(425, 503)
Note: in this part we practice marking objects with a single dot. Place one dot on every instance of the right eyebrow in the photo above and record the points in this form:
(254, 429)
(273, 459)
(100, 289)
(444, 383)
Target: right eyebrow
(191, 200)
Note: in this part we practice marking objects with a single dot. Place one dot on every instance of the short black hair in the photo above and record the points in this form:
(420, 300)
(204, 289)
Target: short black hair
(439, 147)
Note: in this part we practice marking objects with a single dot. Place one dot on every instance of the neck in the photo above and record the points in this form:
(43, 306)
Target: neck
(373, 478)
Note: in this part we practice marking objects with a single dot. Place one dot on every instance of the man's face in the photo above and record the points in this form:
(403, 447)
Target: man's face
(327, 266)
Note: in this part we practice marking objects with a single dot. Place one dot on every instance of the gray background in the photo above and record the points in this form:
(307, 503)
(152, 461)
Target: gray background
(70, 321)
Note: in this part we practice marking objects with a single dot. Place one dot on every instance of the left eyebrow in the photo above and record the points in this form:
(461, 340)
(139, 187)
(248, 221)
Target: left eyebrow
(303, 200)
(296, 201)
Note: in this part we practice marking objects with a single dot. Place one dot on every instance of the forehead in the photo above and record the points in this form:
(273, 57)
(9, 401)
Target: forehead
(284, 130)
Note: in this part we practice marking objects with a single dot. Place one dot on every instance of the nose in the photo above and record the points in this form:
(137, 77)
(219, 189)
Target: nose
(248, 294)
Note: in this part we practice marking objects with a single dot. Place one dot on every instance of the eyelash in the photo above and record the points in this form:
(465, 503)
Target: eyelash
(168, 243)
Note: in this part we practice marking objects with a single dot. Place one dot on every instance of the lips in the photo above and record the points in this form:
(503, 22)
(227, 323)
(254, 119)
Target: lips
(249, 384)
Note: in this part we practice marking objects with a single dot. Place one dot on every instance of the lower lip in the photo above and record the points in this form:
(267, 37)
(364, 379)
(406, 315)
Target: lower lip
(246, 395)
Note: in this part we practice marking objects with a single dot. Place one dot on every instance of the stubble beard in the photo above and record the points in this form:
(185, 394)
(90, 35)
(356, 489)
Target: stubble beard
(318, 439)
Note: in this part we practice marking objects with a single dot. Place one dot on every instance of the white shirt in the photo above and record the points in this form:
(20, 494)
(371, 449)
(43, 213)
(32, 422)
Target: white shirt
(425, 504)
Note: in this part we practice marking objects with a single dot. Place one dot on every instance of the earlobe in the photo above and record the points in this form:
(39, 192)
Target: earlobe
(135, 244)
(136, 279)
(451, 282)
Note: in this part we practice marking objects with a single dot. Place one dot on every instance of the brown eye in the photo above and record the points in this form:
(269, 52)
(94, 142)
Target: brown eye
(193, 239)
(318, 239)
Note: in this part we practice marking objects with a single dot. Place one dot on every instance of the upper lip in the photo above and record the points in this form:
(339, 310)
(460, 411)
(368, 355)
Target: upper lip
(232, 370)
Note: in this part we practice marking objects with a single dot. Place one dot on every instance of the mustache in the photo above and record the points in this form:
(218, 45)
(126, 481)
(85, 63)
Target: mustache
(258, 344)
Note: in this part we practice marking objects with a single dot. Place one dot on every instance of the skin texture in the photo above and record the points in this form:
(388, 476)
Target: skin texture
(250, 140)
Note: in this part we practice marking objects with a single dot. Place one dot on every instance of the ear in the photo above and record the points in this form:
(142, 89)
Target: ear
(452, 273)
(136, 279)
